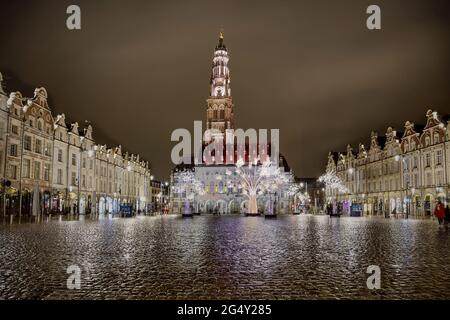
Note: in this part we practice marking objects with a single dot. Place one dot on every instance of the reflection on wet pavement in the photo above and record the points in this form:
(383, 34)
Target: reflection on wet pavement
(209, 257)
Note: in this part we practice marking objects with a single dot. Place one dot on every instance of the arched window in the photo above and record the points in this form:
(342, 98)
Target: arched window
(39, 125)
(427, 140)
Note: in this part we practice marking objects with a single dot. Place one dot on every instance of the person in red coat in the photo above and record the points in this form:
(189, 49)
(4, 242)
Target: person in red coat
(439, 212)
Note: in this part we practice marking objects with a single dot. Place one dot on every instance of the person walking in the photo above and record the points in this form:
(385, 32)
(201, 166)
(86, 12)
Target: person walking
(439, 212)
(447, 215)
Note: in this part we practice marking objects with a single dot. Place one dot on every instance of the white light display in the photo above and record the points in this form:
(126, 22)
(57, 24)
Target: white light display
(332, 181)
(187, 183)
(258, 179)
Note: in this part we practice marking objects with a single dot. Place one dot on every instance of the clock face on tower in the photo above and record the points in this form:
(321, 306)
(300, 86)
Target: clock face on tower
(219, 91)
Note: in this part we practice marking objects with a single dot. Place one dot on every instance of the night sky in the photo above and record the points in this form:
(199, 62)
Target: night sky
(140, 69)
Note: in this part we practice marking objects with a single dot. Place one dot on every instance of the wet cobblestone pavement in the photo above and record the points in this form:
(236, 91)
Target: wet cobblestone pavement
(292, 257)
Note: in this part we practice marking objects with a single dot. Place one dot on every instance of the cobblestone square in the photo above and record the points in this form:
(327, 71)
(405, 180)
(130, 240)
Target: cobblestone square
(226, 257)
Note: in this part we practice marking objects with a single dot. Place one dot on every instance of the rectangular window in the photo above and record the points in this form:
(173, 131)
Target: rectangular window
(73, 180)
(427, 160)
(48, 148)
(429, 181)
(60, 155)
(26, 168)
(37, 170)
(15, 129)
(47, 172)
(2, 127)
(91, 163)
(12, 171)
(13, 150)
(74, 159)
(83, 181)
(59, 177)
(84, 163)
(439, 157)
(27, 143)
(38, 146)
(439, 178)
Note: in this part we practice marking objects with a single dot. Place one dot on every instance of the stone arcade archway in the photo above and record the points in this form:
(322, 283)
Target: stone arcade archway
(428, 204)
(209, 206)
(101, 205)
(244, 206)
(221, 206)
(234, 207)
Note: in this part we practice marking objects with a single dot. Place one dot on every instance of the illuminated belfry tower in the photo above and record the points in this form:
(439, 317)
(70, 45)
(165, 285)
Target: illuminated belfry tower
(219, 113)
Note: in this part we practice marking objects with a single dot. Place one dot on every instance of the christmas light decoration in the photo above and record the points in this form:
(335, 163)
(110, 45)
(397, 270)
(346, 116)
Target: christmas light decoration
(187, 184)
(332, 181)
(258, 179)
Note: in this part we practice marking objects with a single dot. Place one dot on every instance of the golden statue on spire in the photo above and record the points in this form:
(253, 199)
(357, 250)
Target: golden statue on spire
(221, 45)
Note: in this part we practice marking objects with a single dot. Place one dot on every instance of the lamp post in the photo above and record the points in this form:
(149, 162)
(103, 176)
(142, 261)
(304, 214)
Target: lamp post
(151, 194)
(408, 200)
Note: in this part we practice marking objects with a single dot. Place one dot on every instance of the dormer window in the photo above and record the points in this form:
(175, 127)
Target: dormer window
(39, 125)
(436, 138)
(405, 146)
(427, 141)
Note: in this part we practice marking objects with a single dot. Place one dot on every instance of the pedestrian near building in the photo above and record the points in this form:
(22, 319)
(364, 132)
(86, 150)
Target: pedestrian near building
(447, 215)
(439, 212)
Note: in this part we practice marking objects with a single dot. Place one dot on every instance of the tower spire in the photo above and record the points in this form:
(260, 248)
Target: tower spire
(220, 105)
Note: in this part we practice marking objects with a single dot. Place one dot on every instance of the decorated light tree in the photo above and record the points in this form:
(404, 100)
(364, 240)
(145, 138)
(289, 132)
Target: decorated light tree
(187, 184)
(257, 179)
(292, 191)
(302, 197)
(332, 181)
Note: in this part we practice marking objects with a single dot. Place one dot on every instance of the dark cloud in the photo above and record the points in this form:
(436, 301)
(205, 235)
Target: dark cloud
(139, 69)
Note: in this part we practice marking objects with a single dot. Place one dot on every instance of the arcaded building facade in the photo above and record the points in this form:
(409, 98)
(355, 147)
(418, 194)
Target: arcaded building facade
(57, 167)
(400, 173)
